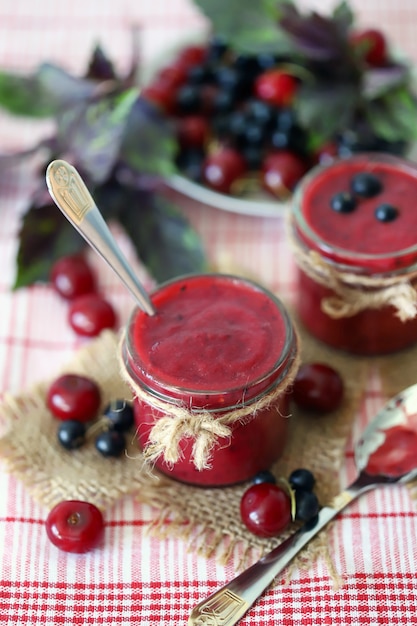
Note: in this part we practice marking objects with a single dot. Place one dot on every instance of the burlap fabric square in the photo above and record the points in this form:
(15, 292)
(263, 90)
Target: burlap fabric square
(207, 519)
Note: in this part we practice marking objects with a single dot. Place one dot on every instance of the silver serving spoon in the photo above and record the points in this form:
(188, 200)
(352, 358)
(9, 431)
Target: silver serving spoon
(71, 195)
(229, 604)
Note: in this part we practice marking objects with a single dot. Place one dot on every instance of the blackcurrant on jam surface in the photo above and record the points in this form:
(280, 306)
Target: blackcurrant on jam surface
(343, 236)
(355, 242)
(216, 343)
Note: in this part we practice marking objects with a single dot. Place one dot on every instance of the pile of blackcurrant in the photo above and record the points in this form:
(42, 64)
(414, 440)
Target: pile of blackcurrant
(89, 313)
(269, 505)
(75, 401)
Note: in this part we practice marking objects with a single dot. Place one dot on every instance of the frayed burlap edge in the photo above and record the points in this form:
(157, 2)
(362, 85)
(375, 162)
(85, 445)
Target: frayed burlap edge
(207, 520)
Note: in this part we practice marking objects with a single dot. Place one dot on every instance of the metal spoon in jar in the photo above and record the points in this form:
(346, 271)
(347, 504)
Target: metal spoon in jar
(71, 195)
(386, 454)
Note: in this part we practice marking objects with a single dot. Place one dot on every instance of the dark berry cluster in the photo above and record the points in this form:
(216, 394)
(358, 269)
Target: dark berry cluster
(269, 505)
(233, 116)
(236, 121)
(75, 400)
(89, 313)
(363, 185)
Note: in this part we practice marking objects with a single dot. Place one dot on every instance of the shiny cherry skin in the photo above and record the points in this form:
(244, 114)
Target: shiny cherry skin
(75, 526)
(192, 131)
(281, 171)
(276, 87)
(88, 315)
(318, 387)
(71, 276)
(372, 44)
(265, 509)
(223, 168)
(73, 397)
(162, 93)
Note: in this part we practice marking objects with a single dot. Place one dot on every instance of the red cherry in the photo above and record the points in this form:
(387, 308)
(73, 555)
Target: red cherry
(162, 93)
(222, 168)
(90, 314)
(175, 75)
(281, 171)
(372, 45)
(191, 55)
(192, 131)
(276, 87)
(71, 276)
(73, 397)
(317, 387)
(265, 509)
(75, 526)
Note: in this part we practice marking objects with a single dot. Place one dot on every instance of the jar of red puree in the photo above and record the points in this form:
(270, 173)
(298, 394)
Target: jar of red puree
(210, 374)
(353, 232)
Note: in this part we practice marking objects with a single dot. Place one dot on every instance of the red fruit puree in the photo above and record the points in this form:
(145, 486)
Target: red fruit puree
(358, 244)
(397, 455)
(216, 343)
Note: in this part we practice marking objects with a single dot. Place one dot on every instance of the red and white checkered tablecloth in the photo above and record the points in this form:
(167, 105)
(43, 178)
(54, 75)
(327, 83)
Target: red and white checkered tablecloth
(135, 578)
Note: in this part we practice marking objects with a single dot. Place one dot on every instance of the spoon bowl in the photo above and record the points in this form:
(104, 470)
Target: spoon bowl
(386, 454)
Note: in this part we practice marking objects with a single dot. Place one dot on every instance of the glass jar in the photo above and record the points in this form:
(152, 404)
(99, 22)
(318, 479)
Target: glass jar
(210, 373)
(357, 262)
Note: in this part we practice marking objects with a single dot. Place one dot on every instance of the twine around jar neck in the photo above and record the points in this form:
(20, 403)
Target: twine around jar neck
(205, 427)
(352, 292)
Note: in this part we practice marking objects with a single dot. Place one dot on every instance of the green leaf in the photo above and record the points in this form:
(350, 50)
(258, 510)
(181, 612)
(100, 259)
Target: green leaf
(343, 14)
(148, 145)
(325, 109)
(162, 237)
(394, 117)
(45, 236)
(42, 94)
(248, 26)
(92, 133)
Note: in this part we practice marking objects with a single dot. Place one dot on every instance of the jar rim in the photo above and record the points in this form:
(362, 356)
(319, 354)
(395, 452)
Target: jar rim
(279, 368)
(347, 257)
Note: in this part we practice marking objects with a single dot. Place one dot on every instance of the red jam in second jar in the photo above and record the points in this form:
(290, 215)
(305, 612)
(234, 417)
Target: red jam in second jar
(216, 343)
(359, 215)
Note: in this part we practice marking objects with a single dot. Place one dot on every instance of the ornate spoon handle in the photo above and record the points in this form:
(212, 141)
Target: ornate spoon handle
(71, 195)
(227, 605)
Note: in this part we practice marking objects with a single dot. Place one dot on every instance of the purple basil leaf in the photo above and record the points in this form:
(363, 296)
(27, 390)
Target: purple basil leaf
(318, 38)
(148, 145)
(45, 235)
(162, 237)
(100, 67)
(92, 133)
(380, 80)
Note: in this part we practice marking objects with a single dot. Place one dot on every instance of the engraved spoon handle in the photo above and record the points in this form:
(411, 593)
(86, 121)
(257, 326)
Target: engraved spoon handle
(228, 605)
(71, 195)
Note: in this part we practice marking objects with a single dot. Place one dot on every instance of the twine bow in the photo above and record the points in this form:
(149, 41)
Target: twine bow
(352, 292)
(167, 432)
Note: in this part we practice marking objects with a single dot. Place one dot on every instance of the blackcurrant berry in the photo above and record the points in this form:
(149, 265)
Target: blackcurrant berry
(366, 184)
(306, 505)
(265, 476)
(343, 202)
(302, 479)
(386, 213)
(120, 415)
(110, 443)
(71, 434)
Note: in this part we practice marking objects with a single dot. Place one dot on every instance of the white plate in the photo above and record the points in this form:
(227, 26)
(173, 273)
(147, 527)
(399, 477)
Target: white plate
(259, 206)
